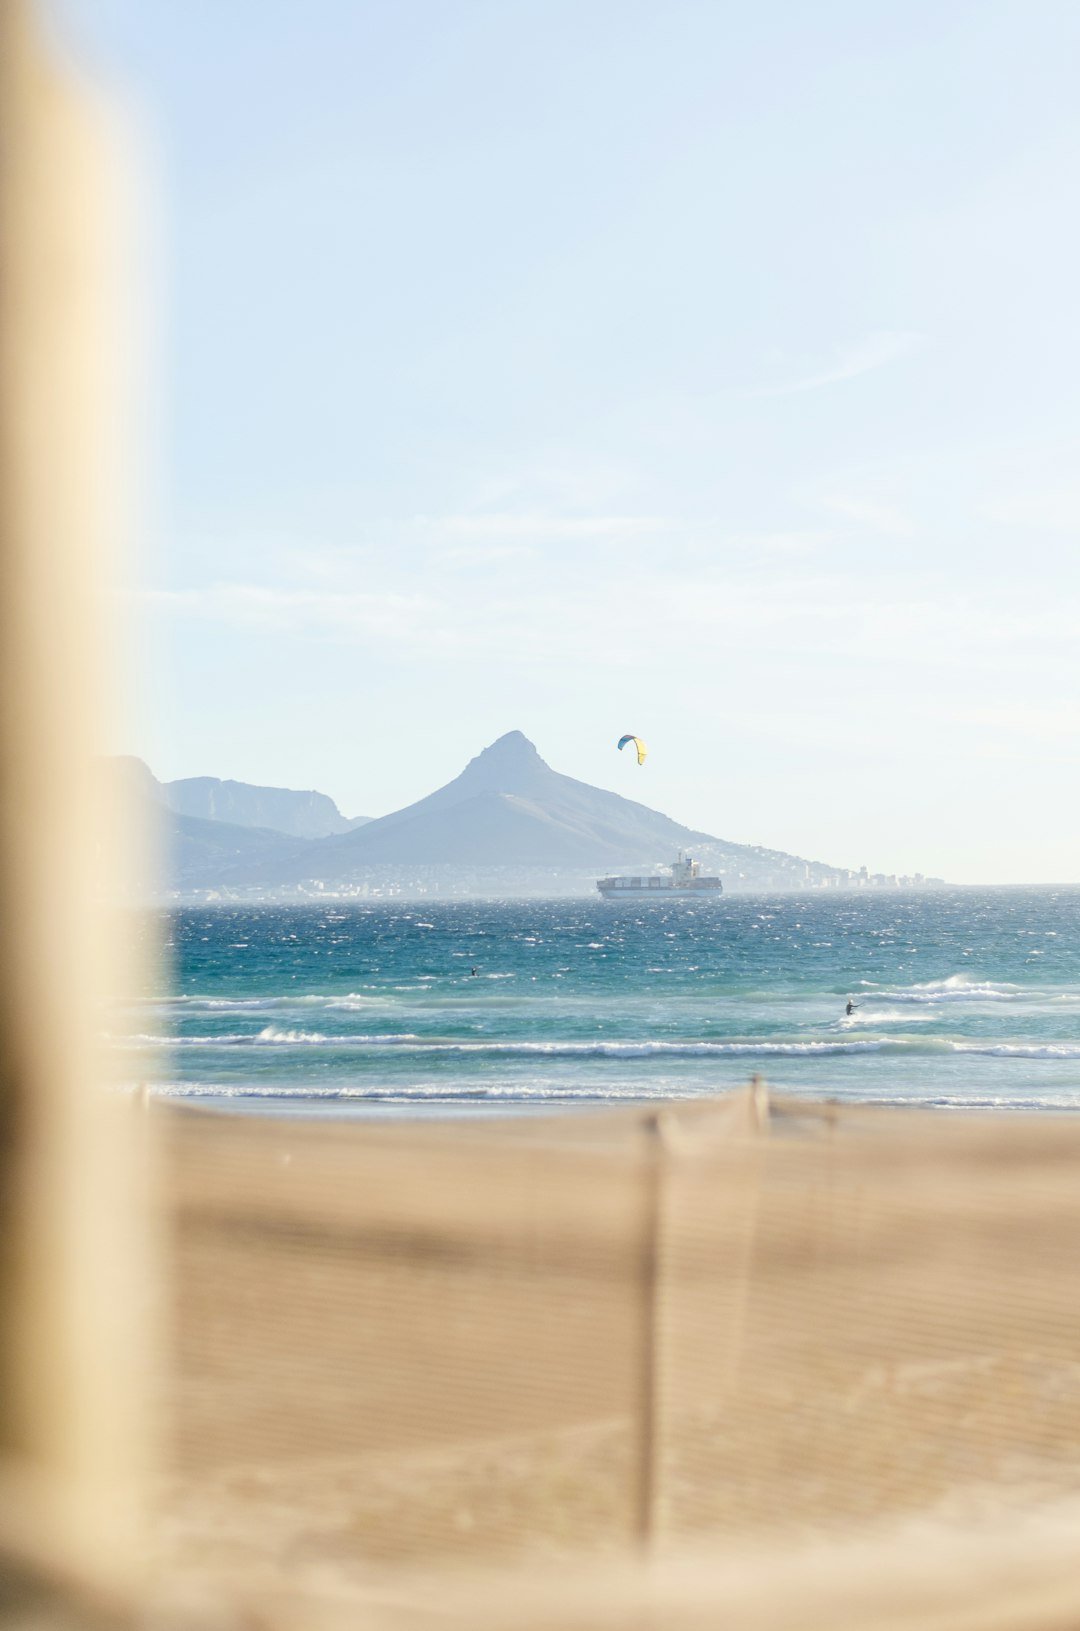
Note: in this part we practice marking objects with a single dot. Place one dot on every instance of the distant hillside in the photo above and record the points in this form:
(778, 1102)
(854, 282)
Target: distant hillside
(507, 825)
(506, 809)
(280, 809)
(196, 852)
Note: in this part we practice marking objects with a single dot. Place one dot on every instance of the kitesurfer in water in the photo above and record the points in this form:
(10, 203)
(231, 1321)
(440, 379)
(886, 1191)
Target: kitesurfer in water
(850, 1009)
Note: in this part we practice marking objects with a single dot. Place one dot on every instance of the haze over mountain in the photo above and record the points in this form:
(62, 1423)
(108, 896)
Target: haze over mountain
(283, 810)
(507, 824)
(280, 809)
(198, 850)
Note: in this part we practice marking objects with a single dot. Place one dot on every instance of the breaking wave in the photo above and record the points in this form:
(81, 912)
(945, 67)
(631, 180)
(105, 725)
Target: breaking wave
(273, 1036)
(957, 988)
(226, 1005)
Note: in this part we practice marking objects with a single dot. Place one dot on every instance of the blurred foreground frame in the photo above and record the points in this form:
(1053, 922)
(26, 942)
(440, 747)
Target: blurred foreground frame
(765, 1366)
(73, 1432)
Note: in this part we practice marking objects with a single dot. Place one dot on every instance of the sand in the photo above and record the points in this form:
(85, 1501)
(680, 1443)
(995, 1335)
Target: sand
(402, 1357)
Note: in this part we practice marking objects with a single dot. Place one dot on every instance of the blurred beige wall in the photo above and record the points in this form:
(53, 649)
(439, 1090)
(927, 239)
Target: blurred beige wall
(71, 1434)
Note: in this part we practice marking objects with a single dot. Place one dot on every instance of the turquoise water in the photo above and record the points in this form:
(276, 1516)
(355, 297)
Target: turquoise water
(964, 998)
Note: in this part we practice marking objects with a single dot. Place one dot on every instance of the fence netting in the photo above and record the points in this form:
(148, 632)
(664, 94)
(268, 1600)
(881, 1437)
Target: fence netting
(740, 1363)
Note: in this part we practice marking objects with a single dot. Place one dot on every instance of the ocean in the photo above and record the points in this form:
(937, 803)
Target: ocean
(964, 999)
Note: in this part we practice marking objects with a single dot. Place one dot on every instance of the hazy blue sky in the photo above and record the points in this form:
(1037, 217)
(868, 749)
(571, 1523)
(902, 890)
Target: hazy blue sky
(702, 370)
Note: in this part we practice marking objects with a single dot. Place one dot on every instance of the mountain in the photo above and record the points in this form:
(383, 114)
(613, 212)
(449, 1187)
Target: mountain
(195, 850)
(508, 825)
(506, 809)
(278, 809)
(198, 853)
(129, 777)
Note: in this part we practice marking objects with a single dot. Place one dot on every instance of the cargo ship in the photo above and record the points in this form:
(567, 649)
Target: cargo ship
(685, 879)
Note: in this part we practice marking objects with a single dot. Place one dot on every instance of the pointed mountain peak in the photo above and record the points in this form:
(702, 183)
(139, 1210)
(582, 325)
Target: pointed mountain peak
(513, 748)
(506, 766)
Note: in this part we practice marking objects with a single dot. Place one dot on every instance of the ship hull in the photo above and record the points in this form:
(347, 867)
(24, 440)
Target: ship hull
(660, 890)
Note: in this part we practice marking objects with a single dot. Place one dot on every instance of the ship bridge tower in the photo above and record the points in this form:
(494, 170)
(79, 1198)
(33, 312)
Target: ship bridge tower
(684, 869)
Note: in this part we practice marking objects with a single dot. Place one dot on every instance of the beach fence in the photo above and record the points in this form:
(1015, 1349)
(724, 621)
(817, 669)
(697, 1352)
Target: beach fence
(727, 1352)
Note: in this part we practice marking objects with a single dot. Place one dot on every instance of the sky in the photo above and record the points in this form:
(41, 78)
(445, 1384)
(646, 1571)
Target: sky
(699, 370)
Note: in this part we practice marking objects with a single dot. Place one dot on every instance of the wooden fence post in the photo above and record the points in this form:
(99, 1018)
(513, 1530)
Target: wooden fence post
(650, 1423)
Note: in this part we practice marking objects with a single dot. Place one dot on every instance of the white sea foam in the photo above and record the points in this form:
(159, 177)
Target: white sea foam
(269, 1036)
(1020, 1050)
(625, 1049)
(223, 1005)
(279, 1000)
(275, 1036)
(272, 1033)
(957, 988)
(647, 1049)
(880, 1016)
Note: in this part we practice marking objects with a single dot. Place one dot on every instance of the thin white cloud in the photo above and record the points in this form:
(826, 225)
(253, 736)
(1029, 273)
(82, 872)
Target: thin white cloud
(1053, 720)
(504, 537)
(488, 554)
(539, 526)
(875, 351)
(1051, 509)
(388, 614)
(781, 544)
(576, 616)
(870, 513)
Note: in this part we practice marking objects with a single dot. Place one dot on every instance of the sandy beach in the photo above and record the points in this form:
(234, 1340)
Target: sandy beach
(589, 1339)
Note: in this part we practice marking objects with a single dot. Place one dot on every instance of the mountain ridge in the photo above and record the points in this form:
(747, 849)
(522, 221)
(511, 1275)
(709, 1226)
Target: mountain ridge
(296, 813)
(506, 808)
(292, 812)
(506, 824)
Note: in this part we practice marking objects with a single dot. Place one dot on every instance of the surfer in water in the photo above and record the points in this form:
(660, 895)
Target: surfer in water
(850, 1009)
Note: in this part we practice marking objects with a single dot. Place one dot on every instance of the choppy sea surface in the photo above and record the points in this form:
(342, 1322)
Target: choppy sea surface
(963, 999)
